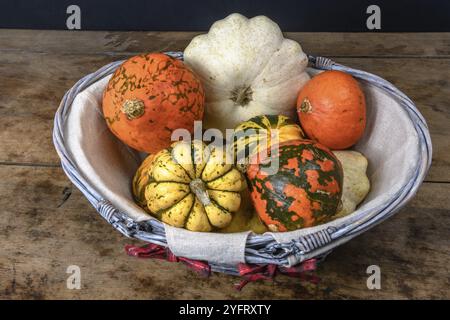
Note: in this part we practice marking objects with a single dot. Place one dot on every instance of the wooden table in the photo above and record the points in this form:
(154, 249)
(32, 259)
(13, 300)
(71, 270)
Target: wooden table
(46, 224)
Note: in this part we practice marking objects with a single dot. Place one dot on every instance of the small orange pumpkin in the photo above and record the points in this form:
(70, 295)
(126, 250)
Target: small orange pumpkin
(148, 97)
(332, 109)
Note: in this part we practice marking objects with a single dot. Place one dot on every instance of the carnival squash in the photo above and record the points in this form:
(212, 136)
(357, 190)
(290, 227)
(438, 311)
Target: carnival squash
(304, 191)
(332, 109)
(356, 183)
(148, 97)
(260, 132)
(247, 68)
(190, 185)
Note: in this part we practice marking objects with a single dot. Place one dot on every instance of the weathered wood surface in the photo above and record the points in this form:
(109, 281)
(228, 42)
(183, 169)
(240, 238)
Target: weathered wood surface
(41, 234)
(326, 44)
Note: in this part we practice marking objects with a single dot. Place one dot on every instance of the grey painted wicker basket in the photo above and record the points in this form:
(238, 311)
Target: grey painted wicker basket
(260, 249)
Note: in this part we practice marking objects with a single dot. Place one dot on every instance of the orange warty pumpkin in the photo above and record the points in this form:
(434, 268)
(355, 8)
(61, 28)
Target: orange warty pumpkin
(148, 97)
(332, 109)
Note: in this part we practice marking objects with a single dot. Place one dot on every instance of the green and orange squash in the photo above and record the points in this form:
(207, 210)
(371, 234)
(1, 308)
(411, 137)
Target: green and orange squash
(305, 190)
(148, 97)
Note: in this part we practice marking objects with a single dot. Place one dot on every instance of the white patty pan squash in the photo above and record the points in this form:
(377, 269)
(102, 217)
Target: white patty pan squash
(247, 69)
(356, 183)
(191, 186)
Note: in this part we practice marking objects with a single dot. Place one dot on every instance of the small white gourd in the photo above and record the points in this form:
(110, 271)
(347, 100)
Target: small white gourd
(247, 69)
(356, 183)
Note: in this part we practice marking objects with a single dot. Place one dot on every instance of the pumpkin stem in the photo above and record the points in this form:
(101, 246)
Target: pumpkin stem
(133, 108)
(198, 188)
(242, 95)
(306, 106)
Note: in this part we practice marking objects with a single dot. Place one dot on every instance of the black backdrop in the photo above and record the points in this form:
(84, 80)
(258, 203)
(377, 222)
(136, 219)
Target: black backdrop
(291, 15)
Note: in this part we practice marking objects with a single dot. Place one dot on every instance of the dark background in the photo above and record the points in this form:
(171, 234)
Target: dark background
(197, 15)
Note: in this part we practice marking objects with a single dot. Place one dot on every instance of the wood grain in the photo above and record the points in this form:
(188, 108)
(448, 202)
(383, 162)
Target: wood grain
(46, 224)
(41, 237)
(327, 44)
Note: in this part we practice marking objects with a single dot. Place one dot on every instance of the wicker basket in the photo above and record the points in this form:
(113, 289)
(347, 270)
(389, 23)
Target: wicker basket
(260, 249)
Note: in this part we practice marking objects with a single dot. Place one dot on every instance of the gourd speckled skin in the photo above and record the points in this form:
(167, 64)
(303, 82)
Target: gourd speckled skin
(247, 69)
(305, 190)
(260, 132)
(356, 184)
(148, 97)
(190, 185)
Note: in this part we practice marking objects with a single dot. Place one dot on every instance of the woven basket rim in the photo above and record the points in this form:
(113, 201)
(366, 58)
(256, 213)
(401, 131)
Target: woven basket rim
(260, 249)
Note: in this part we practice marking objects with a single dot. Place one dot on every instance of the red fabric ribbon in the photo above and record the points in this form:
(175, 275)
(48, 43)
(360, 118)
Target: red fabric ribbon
(155, 251)
(252, 273)
(249, 272)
